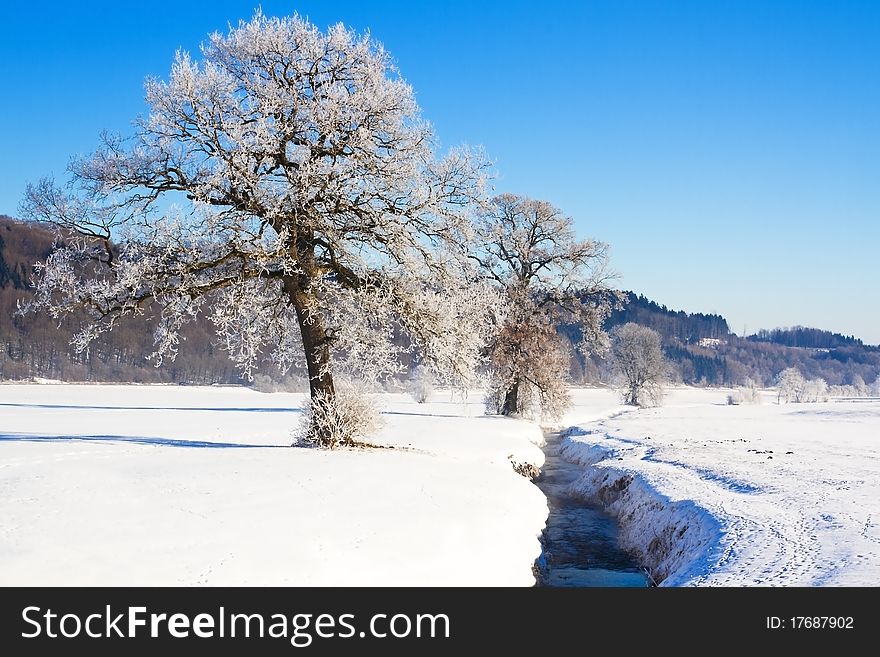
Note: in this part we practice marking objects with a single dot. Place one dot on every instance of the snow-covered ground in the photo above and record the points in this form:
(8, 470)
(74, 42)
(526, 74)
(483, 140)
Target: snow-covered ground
(711, 494)
(167, 485)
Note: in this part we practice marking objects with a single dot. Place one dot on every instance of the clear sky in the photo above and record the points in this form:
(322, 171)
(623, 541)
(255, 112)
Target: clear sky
(729, 152)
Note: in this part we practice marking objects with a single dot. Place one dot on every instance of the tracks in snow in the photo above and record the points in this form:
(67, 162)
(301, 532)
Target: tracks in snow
(765, 537)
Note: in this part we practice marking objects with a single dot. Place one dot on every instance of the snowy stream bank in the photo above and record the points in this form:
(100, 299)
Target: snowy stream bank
(708, 494)
(672, 539)
(580, 542)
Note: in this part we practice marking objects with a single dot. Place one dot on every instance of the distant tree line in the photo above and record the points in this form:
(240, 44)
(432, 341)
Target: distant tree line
(703, 351)
(36, 346)
(808, 338)
(675, 325)
(792, 386)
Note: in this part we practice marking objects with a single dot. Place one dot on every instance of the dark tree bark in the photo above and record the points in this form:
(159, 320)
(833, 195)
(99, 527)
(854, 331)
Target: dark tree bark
(315, 340)
(511, 399)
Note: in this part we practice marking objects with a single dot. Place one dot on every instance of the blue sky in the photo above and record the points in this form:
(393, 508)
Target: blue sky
(729, 152)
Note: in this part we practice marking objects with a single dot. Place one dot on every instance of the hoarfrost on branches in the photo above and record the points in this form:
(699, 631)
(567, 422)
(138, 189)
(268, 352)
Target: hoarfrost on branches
(792, 386)
(344, 421)
(548, 277)
(286, 186)
(745, 394)
(638, 362)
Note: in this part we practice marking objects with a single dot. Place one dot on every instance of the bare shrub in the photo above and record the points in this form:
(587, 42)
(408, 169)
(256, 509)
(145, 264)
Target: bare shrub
(420, 386)
(526, 469)
(343, 419)
(747, 394)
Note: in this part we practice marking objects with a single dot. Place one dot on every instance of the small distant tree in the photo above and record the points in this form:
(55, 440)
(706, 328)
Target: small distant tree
(286, 187)
(875, 387)
(841, 391)
(815, 390)
(749, 393)
(792, 386)
(859, 386)
(789, 385)
(547, 277)
(420, 385)
(638, 362)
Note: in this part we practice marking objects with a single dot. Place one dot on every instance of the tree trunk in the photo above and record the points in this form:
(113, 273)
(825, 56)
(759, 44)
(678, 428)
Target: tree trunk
(314, 334)
(510, 399)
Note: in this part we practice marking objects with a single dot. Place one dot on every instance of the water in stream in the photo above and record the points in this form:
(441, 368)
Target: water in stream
(580, 546)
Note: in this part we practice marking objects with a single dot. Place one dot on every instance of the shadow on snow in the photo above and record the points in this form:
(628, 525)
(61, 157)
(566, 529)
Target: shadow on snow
(138, 440)
(268, 409)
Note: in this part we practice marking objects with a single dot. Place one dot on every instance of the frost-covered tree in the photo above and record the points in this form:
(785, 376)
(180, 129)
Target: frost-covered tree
(749, 393)
(859, 386)
(638, 362)
(420, 384)
(792, 386)
(815, 390)
(529, 251)
(285, 186)
(789, 385)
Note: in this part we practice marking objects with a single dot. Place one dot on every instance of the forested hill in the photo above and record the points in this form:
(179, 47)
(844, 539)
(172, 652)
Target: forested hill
(808, 338)
(700, 346)
(35, 345)
(672, 324)
(20, 247)
(704, 351)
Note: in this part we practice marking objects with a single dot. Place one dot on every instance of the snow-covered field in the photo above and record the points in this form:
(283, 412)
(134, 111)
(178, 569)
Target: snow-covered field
(166, 485)
(711, 494)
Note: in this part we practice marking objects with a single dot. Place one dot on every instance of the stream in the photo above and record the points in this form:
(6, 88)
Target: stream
(580, 543)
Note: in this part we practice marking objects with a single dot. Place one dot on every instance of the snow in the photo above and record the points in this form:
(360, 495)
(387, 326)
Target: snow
(177, 485)
(172, 485)
(710, 494)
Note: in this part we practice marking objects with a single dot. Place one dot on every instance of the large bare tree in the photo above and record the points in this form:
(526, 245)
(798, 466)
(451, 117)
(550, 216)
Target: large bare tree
(528, 249)
(284, 185)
